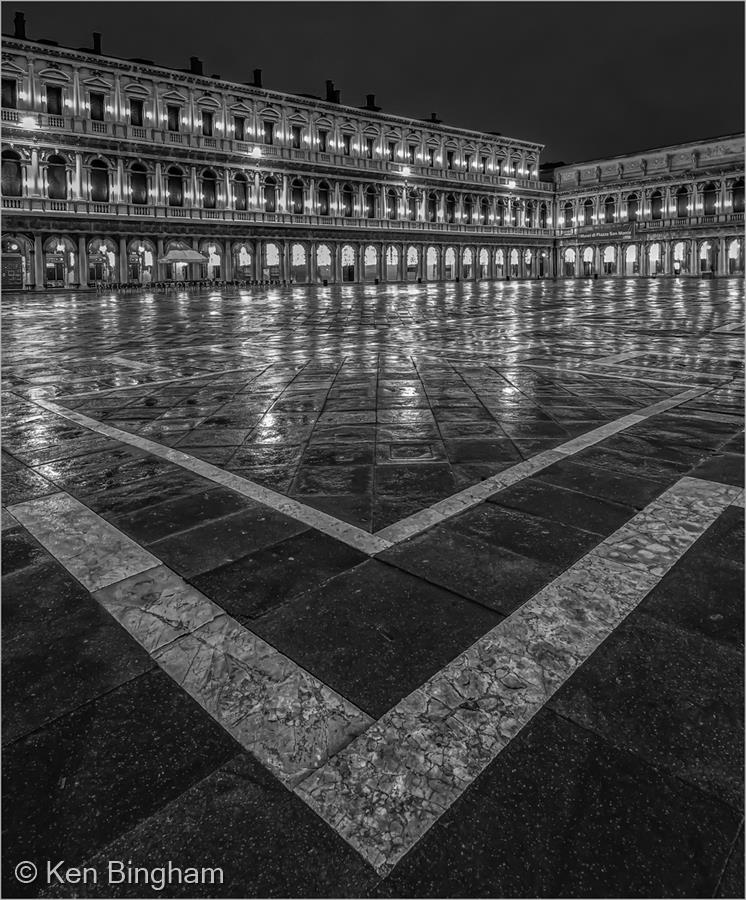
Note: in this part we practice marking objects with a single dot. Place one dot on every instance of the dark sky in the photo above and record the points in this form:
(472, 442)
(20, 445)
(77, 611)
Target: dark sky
(587, 79)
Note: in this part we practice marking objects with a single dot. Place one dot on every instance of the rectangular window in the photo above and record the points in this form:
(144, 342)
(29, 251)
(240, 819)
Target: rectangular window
(323, 135)
(206, 123)
(295, 133)
(467, 162)
(174, 116)
(269, 132)
(449, 159)
(54, 100)
(97, 107)
(499, 167)
(136, 113)
(412, 150)
(392, 150)
(10, 93)
(431, 156)
(239, 128)
(347, 144)
(369, 147)
(484, 165)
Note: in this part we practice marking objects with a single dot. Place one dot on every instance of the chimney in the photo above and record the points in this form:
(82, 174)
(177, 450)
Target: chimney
(20, 26)
(257, 77)
(336, 97)
(434, 118)
(330, 92)
(195, 65)
(96, 42)
(370, 102)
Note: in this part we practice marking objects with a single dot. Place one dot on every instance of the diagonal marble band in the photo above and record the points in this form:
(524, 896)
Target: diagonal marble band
(286, 717)
(391, 784)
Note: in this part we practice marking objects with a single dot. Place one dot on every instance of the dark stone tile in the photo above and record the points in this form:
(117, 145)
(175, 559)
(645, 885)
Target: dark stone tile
(75, 784)
(415, 480)
(23, 484)
(254, 584)
(630, 464)
(655, 448)
(465, 451)
(564, 506)
(161, 519)
(732, 881)
(726, 468)
(341, 455)
(725, 537)
(333, 480)
(375, 633)
(224, 540)
(42, 593)
(389, 510)
(602, 483)
(490, 575)
(525, 534)
(671, 697)
(20, 550)
(292, 852)
(354, 508)
(561, 813)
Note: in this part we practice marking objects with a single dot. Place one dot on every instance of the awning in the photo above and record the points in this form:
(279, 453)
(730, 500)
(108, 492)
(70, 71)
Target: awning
(183, 256)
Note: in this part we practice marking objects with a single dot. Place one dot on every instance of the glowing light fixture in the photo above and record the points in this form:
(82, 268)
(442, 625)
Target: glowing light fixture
(28, 122)
(406, 171)
(256, 153)
(511, 183)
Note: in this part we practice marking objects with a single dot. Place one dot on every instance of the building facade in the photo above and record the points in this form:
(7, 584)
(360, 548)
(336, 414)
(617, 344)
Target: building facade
(120, 171)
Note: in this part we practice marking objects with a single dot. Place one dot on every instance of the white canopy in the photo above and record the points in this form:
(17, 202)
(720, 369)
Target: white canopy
(183, 256)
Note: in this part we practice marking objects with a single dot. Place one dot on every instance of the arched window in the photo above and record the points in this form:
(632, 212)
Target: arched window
(175, 186)
(738, 195)
(543, 216)
(391, 204)
(484, 211)
(241, 192)
(450, 208)
(632, 207)
(588, 212)
(99, 182)
(568, 214)
(514, 207)
(56, 178)
(139, 184)
(296, 195)
(468, 210)
(209, 189)
(412, 205)
(529, 215)
(656, 205)
(609, 210)
(501, 212)
(709, 193)
(324, 199)
(12, 179)
(270, 195)
(682, 202)
(432, 207)
(348, 201)
(370, 203)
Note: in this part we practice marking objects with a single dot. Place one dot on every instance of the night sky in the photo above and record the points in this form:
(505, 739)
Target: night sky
(587, 79)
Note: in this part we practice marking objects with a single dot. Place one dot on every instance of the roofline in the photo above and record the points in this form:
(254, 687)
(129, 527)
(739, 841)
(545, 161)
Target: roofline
(601, 159)
(22, 43)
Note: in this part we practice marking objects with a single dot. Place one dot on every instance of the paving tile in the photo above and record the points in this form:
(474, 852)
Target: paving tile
(724, 467)
(726, 536)
(631, 464)
(22, 484)
(732, 880)
(561, 813)
(603, 483)
(20, 550)
(379, 619)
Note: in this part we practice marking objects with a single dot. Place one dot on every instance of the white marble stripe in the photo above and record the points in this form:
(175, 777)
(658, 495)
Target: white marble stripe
(457, 503)
(7, 520)
(321, 521)
(129, 363)
(739, 501)
(276, 710)
(389, 786)
(622, 376)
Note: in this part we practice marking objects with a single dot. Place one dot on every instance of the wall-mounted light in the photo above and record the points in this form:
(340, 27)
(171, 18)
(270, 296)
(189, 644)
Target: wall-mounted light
(28, 122)
(406, 170)
(256, 153)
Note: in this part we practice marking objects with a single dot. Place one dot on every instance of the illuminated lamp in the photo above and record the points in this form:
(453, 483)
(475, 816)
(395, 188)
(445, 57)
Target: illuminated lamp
(28, 122)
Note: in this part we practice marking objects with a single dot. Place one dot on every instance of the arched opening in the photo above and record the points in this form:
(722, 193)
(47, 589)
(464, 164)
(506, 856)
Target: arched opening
(296, 196)
(567, 212)
(392, 264)
(738, 195)
(709, 198)
(529, 215)
(243, 258)
(56, 178)
(17, 268)
(735, 256)
(543, 216)
(679, 258)
(449, 264)
(241, 192)
(175, 186)
(467, 264)
(632, 207)
(609, 210)
(270, 195)
(484, 264)
(324, 199)
(348, 263)
(392, 204)
(500, 263)
(370, 203)
(102, 261)
(501, 212)
(706, 257)
(450, 208)
(609, 260)
(298, 266)
(588, 212)
(631, 263)
(682, 202)
(323, 263)
(514, 210)
(141, 261)
(468, 210)
(348, 201)
(370, 264)
(412, 200)
(656, 205)
(569, 259)
(484, 211)
(213, 252)
(139, 185)
(514, 264)
(175, 271)
(99, 181)
(209, 189)
(543, 264)
(431, 267)
(59, 263)
(654, 259)
(271, 262)
(588, 261)
(432, 207)
(528, 258)
(12, 174)
(413, 259)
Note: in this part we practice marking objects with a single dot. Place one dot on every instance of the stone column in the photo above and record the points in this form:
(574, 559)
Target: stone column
(38, 263)
(123, 275)
(160, 252)
(79, 189)
(227, 262)
(82, 262)
(722, 262)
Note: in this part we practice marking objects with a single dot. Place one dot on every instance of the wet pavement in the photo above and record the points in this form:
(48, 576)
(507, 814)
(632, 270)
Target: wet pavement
(378, 591)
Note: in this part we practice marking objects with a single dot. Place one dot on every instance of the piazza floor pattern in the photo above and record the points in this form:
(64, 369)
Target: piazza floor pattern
(378, 591)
